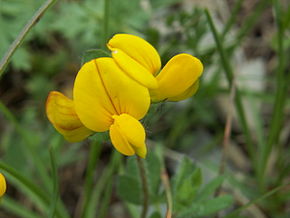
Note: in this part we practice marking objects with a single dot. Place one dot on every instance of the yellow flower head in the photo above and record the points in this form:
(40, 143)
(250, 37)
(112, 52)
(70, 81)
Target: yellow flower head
(2, 185)
(104, 98)
(178, 80)
(114, 93)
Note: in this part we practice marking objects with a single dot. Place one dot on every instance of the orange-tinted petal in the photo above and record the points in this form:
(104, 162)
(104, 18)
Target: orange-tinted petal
(60, 112)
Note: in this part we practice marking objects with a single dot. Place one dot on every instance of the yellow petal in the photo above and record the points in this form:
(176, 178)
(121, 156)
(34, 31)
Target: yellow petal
(187, 93)
(126, 95)
(138, 49)
(134, 70)
(60, 112)
(128, 135)
(92, 103)
(180, 73)
(2, 185)
(136, 57)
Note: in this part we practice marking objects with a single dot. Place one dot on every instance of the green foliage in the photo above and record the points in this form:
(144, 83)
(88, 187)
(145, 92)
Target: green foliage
(208, 207)
(129, 184)
(94, 53)
(72, 32)
(129, 189)
(191, 198)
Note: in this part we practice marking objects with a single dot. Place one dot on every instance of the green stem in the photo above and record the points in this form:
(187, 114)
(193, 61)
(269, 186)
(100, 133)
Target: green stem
(99, 187)
(94, 154)
(249, 23)
(280, 98)
(106, 22)
(232, 18)
(28, 140)
(236, 212)
(229, 76)
(166, 184)
(18, 41)
(145, 187)
(17, 209)
(38, 193)
(55, 188)
(106, 200)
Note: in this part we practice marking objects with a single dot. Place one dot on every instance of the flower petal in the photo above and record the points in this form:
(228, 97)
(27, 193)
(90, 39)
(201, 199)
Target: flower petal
(92, 103)
(134, 70)
(138, 49)
(187, 93)
(120, 142)
(60, 112)
(126, 95)
(180, 73)
(2, 185)
(128, 135)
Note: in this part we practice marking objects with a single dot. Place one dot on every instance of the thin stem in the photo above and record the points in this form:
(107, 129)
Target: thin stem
(18, 41)
(106, 22)
(55, 188)
(95, 151)
(144, 186)
(106, 200)
(166, 184)
(232, 18)
(280, 97)
(28, 140)
(227, 134)
(229, 76)
(100, 186)
(236, 212)
(18, 209)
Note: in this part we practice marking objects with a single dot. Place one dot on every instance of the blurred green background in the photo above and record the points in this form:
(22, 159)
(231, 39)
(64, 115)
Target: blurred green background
(251, 51)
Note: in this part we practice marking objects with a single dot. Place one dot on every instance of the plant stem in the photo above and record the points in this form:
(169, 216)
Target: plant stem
(94, 154)
(227, 133)
(18, 41)
(55, 188)
(229, 75)
(145, 187)
(236, 212)
(166, 184)
(106, 22)
(280, 97)
(101, 185)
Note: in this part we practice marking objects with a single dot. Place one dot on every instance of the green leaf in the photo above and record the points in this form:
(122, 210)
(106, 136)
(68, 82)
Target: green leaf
(207, 208)
(129, 189)
(187, 190)
(132, 167)
(156, 215)
(209, 188)
(153, 168)
(185, 169)
(93, 54)
(16, 208)
(185, 183)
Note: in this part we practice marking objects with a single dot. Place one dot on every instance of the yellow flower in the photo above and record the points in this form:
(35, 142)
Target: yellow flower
(178, 80)
(104, 98)
(2, 185)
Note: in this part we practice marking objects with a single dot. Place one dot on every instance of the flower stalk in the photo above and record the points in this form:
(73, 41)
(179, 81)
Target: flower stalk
(144, 187)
